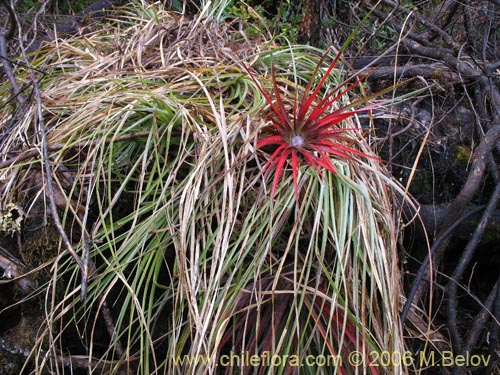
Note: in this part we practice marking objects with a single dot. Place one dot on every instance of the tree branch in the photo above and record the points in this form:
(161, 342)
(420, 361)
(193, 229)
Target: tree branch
(6, 34)
(462, 264)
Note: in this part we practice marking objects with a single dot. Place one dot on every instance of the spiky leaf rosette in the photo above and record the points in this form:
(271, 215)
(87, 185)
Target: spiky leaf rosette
(313, 131)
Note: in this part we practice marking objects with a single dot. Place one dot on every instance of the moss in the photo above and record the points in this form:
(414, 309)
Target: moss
(463, 154)
(41, 245)
(16, 343)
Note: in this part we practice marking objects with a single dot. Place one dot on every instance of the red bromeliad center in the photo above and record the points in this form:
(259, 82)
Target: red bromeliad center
(297, 141)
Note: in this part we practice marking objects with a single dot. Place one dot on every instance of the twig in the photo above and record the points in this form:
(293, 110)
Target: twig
(427, 23)
(473, 180)
(482, 115)
(466, 69)
(496, 2)
(450, 7)
(462, 264)
(110, 327)
(478, 327)
(430, 71)
(495, 329)
(445, 55)
(6, 34)
(12, 19)
(398, 28)
(481, 320)
(424, 266)
(463, 199)
(486, 38)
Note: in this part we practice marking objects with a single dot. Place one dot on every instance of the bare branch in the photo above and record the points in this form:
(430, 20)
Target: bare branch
(462, 264)
(6, 34)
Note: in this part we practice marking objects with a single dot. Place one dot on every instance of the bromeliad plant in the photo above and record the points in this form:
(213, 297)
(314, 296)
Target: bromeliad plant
(312, 133)
(195, 263)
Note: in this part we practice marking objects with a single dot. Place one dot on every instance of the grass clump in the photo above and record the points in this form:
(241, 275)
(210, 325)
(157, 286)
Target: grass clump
(154, 148)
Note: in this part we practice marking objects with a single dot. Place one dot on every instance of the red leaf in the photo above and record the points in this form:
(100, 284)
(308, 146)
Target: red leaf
(324, 161)
(326, 102)
(272, 140)
(281, 106)
(311, 160)
(282, 118)
(277, 173)
(307, 101)
(276, 155)
(334, 132)
(334, 118)
(327, 162)
(335, 147)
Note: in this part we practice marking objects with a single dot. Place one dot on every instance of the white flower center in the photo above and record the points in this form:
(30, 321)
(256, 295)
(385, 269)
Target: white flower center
(297, 141)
